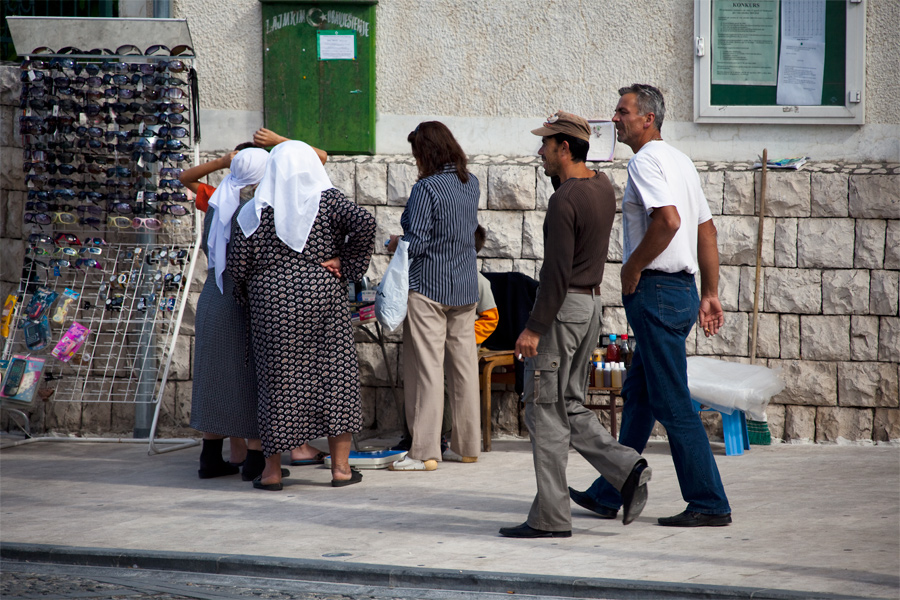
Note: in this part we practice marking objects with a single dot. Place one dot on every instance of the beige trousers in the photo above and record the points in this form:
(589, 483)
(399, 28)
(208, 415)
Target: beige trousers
(430, 330)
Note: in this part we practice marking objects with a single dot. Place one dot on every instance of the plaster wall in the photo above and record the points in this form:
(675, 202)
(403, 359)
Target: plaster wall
(492, 70)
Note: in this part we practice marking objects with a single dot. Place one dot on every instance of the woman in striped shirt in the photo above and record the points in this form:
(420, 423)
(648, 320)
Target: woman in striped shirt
(439, 223)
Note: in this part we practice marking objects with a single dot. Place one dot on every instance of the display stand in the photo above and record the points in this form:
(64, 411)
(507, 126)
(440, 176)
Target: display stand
(112, 232)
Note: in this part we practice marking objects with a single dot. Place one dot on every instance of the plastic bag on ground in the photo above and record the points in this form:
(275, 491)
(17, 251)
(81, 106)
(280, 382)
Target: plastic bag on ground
(726, 386)
(391, 295)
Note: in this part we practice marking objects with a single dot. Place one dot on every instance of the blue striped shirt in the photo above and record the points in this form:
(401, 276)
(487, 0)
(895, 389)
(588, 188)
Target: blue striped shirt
(439, 223)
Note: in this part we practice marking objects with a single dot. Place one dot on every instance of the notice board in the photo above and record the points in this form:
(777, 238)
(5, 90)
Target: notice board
(779, 61)
(319, 72)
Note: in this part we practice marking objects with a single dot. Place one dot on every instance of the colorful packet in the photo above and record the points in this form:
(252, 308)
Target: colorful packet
(69, 298)
(9, 307)
(71, 342)
(40, 302)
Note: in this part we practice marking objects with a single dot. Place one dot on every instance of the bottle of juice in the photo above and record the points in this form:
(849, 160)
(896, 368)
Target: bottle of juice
(613, 352)
(626, 350)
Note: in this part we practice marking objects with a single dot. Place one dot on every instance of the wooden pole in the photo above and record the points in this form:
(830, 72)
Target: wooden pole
(759, 242)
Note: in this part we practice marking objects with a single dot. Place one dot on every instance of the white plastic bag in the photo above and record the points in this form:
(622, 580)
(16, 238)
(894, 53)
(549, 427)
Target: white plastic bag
(726, 386)
(392, 292)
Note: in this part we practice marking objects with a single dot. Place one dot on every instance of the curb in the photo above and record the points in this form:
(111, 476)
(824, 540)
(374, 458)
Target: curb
(389, 576)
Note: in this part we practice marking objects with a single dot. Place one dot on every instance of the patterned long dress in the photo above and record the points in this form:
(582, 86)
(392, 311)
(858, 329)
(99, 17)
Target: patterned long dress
(306, 361)
(223, 399)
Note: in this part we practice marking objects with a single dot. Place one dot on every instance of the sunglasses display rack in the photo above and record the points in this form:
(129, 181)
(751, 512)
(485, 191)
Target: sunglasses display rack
(111, 234)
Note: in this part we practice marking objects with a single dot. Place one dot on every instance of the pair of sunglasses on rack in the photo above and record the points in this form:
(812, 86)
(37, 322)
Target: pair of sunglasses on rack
(123, 50)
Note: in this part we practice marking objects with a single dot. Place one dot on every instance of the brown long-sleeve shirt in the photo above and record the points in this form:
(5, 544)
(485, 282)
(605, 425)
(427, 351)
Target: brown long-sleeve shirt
(576, 239)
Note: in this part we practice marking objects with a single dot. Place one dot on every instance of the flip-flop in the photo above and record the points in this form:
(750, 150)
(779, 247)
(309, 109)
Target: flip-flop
(318, 459)
(355, 477)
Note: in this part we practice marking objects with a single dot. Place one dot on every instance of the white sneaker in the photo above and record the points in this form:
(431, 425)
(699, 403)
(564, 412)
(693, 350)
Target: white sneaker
(453, 456)
(411, 464)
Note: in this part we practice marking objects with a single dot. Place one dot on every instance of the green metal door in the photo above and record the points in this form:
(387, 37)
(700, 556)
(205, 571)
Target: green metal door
(314, 93)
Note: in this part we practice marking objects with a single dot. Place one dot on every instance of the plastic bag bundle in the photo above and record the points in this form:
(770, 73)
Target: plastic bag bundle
(726, 386)
(392, 293)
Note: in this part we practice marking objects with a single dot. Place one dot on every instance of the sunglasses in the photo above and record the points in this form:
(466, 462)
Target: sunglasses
(67, 238)
(160, 49)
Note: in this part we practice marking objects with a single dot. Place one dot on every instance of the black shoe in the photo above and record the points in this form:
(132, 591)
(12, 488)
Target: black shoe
(524, 531)
(694, 519)
(404, 444)
(271, 487)
(585, 501)
(634, 492)
(216, 469)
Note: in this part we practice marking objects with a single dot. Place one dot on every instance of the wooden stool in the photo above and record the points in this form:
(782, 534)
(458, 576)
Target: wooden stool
(490, 360)
(612, 406)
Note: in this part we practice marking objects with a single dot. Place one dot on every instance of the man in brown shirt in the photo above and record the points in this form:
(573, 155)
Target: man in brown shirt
(562, 332)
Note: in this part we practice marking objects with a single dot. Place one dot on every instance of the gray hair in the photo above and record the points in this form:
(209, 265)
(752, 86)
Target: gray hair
(649, 100)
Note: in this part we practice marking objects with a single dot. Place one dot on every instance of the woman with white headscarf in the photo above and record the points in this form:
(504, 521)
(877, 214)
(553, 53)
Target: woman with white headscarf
(298, 243)
(223, 398)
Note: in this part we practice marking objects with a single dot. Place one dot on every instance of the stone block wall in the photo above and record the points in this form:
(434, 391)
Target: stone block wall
(828, 302)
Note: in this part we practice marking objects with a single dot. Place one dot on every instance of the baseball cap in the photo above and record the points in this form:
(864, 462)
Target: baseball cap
(567, 123)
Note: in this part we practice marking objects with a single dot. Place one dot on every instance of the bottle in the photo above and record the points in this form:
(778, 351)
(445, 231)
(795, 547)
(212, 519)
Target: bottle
(626, 350)
(607, 375)
(613, 352)
(616, 376)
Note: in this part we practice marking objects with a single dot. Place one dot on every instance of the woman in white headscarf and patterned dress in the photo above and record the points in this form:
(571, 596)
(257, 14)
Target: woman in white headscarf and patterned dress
(223, 398)
(298, 243)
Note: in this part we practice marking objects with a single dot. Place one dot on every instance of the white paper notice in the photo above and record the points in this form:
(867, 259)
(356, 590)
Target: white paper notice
(801, 66)
(337, 47)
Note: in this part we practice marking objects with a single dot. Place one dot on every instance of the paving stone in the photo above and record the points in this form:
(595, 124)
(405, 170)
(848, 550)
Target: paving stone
(11, 257)
(863, 338)
(737, 241)
(387, 415)
(884, 292)
(824, 337)
(747, 288)
(611, 287)
(619, 179)
(11, 175)
(892, 245)
(829, 194)
(732, 339)
(401, 178)
(504, 233)
(614, 320)
(481, 173)
(775, 414)
(767, 335)
(387, 220)
(497, 265)
(616, 251)
(377, 267)
(525, 266)
(183, 393)
(12, 212)
(886, 425)
(790, 336)
(888, 334)
(10, 85)
(868, 384)
(343, 177)
(729, 286)
(533, 234)
(809, 382)
(799, 424)
(835, 423)
(787, 194)
(845, 292)
(825, 243)
(713, 185)
(543, 189)
(739, 197)
(368, 402)
(511, 188)
(371, 184)
(9, 125)
(372, 370)
(786, 242)
(874, 196)
(504, 413)
(793, 291)
(869, 250)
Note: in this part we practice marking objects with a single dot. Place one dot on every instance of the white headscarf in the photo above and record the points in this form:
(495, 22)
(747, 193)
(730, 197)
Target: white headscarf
(292, 186)
(247, 168)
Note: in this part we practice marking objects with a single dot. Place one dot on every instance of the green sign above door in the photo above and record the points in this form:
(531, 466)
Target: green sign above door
(319, 72)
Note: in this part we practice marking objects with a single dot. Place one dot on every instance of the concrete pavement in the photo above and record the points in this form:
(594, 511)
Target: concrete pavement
(815, 520)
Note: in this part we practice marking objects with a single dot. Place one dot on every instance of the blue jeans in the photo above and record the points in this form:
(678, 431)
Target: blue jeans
(662, 311)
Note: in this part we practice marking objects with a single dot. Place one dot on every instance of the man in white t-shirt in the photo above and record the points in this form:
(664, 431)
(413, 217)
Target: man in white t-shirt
(668, 236)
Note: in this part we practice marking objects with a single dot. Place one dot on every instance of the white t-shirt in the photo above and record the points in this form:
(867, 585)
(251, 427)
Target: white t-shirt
(659, 175)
